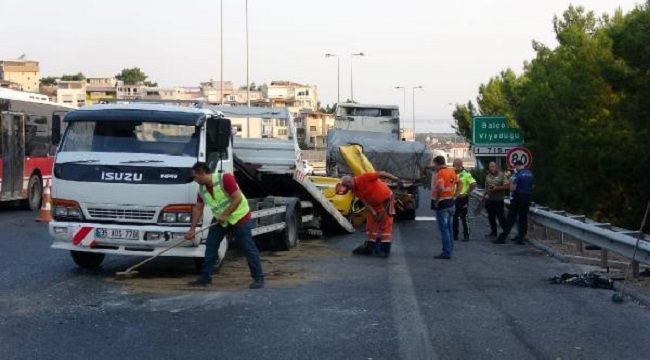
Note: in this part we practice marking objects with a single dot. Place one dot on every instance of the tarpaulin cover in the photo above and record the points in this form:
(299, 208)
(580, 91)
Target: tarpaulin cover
(404, 159)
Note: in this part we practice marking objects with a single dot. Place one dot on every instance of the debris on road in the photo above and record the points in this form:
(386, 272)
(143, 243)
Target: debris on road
(589, 279)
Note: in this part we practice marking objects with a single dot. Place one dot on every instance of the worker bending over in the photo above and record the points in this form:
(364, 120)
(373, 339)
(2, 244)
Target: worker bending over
(379, 202)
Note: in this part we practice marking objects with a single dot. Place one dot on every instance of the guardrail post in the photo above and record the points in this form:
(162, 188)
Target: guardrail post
(581, 246)
(545, 233)
(561, 238)
(603, 258)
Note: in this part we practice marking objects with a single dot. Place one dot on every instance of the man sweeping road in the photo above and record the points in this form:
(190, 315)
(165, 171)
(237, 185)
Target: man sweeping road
(230, 208)
(466, 184)
(378, 198)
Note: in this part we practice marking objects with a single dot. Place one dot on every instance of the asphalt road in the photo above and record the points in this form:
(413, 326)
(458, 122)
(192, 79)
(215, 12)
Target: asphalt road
(487, 302)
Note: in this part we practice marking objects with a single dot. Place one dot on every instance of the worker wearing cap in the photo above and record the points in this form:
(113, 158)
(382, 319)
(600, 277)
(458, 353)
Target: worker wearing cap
(466, 184)
(221, 194)
(378, 199)
(522, 191)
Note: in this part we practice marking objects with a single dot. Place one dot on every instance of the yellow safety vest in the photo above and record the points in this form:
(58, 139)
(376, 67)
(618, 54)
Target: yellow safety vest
(220, 201)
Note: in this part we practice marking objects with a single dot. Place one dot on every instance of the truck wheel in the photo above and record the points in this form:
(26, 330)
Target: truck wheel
(221, 255)
(87, 260)
(34, 193)
(287, 238)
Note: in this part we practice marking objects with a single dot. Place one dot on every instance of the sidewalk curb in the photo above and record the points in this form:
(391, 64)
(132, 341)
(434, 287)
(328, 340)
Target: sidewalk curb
(631, 293)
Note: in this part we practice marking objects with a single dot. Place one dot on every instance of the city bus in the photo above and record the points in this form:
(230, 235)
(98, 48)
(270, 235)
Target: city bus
(30, 129)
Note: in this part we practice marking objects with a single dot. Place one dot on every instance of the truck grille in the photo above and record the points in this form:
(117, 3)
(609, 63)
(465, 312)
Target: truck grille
(121, 214)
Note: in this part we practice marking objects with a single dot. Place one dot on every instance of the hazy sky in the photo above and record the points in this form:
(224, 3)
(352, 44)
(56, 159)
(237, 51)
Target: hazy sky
(448, 47)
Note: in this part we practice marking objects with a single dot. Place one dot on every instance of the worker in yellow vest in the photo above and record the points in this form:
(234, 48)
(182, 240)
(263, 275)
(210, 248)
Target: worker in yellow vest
(221, 194)
(466, 184)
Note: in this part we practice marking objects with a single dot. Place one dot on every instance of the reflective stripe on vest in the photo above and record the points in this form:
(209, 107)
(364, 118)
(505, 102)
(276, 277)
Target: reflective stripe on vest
(448, 188)
(221, 201)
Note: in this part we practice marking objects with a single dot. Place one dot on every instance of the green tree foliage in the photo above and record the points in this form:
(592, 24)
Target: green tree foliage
(583, 108)
(134, 76)
(463, 115)
(48, 81)
(76, 77)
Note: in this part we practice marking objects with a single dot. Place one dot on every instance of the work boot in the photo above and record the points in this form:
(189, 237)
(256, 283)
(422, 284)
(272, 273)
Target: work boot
(257, 284)
(490, 236)
(200, 282)
(364, 249)
(385, 250)
(500, 240)
(442, 257)
(466, 237)
(518, 241)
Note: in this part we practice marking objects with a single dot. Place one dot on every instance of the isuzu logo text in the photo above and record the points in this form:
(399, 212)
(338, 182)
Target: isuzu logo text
(121, 176)
(169, 176)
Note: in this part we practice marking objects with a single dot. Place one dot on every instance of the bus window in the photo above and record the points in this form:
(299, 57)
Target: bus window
(37, 137)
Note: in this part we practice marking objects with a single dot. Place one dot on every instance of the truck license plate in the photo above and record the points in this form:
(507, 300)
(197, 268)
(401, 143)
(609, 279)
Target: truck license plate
(117, 234)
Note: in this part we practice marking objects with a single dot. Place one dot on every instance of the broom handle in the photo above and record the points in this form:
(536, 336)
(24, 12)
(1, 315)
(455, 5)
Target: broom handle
(168, 248)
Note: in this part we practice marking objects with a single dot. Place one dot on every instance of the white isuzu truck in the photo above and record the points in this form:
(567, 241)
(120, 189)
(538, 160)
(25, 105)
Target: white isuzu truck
(122, 182)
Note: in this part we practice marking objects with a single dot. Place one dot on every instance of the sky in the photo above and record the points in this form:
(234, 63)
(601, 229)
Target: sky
(447, 47)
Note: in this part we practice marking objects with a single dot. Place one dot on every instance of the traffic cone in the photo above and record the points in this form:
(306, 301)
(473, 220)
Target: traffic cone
(45, 214)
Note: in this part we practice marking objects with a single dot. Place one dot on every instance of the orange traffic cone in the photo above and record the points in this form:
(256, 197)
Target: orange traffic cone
(46, 205)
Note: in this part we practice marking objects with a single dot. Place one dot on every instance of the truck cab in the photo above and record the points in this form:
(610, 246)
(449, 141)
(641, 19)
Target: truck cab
(122, 179)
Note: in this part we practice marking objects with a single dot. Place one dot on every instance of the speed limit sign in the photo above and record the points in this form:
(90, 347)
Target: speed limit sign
(519, 154)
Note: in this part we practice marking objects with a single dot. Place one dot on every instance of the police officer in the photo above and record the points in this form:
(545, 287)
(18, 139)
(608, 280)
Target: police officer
(522, 191)
(466, 184)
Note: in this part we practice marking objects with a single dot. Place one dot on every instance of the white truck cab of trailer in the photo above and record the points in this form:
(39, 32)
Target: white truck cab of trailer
(122, 179)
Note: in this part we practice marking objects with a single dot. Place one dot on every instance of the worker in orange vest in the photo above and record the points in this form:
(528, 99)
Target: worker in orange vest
(379, 202)
(443, 194)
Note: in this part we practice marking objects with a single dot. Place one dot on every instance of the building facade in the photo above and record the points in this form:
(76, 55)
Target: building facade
(295, 96)
(71, 92)
(26, 73)
(312, 128)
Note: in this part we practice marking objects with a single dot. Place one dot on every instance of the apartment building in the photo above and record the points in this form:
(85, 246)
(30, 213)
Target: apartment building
(292, 95)
(71, 92)
(25, 73)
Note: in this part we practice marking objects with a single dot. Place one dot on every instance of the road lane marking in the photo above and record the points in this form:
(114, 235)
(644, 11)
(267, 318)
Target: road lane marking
(425, 218)
(414, 340)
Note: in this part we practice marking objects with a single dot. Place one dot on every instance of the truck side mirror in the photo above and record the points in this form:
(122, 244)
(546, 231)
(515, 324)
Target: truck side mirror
(56, 129)
(219, 133)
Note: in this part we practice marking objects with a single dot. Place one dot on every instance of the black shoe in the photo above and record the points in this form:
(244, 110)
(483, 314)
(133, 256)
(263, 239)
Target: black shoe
(364, 249)
(200, 282)
(455, 238)
(257, 284)
(442, 257)
(500, 240)
(490, 236)
(518, 242)
(466, 238)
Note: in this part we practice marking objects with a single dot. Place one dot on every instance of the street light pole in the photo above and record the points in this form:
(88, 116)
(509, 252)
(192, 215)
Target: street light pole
(351, 79)
(221, 50)
(415, 87)
(248, 99)
(338, 76)
(403, 104)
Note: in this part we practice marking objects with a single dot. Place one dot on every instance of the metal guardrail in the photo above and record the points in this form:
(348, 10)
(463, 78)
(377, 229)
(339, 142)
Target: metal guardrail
(603, 235)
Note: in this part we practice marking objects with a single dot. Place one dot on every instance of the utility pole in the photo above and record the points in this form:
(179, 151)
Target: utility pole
(248, 99)
(415, 87)
(351, 79)
(221, 50)
(403, 106)
(338, 76)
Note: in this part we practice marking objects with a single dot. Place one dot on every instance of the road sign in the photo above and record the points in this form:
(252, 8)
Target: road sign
(491, 150)
(494, 130)
(519, 154)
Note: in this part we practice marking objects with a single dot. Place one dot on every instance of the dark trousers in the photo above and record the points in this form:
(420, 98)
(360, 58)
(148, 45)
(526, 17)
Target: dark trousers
(462, 204)
(495, 212)
(518, 211)
(244, 237)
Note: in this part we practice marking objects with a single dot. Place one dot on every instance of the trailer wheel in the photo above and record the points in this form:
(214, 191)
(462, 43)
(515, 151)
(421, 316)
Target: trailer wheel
(87, 260)
(34, 193)
(287, 238)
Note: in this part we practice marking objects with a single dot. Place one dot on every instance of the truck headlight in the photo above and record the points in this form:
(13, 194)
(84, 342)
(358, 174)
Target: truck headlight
(177, 214)
(66, 210)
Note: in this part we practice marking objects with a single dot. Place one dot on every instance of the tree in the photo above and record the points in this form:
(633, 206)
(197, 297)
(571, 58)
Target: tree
(77, 77)
(463, 116)
(48, 81)
(134, 76)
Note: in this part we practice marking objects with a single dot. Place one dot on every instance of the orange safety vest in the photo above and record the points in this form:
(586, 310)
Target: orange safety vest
(445, 180)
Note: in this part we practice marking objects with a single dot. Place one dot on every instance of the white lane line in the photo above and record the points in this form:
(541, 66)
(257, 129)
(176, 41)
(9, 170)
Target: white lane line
(425, 218)
(414, 340)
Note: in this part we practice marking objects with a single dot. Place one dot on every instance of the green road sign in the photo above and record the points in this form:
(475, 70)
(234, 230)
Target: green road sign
(494, 130)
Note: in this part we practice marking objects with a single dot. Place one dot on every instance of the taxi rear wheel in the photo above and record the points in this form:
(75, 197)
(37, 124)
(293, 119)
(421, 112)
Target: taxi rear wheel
(87, 260)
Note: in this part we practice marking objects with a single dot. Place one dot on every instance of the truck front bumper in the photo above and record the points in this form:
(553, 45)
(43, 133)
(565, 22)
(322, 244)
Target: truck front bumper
(144, 240)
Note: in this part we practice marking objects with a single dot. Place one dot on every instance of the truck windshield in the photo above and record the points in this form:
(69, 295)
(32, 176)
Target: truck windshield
(131, 137)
